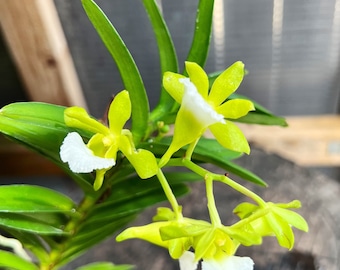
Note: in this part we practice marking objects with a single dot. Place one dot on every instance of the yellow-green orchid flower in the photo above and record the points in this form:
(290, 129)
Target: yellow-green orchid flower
(100, 152)
(201, 109)
(151, 233)
(277, 221)
(212, 244)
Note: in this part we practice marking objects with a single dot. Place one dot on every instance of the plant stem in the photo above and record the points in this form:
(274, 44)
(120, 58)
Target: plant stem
(218, 177)
(190, 150)
(226, 180)
(56, 253)
(214, 216)
(169, 194)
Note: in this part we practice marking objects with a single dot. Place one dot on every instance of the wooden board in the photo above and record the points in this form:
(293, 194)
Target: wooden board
(307, 141)
(16, 160)
(38, 46)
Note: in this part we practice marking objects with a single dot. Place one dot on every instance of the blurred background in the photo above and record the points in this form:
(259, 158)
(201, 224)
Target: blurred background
(290, 48)
(50, 52)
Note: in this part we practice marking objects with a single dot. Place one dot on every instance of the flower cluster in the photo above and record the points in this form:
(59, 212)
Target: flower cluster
(200, 109)
(100, 153)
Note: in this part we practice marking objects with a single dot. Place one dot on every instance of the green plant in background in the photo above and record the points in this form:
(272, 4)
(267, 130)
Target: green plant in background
(109, 162)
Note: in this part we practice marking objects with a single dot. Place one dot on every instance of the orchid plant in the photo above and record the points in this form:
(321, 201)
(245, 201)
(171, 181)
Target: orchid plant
(121, 169)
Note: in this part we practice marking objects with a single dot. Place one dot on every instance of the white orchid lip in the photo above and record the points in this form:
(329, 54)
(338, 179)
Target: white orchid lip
(200, 109)
(230, 263)
(79, 157)
(187, 262)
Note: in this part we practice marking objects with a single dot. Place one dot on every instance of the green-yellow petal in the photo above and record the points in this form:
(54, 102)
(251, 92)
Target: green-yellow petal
(230, 136)
(178, 246)
(283, 232)
(148, 233)
(112, 151)
(198, 77)
(235, 108)
(97, 146)
(243, 236)
(98, 182)
(187, 130)
(173, 86)
(143, 161)
(292, 218)
(245, 209)
(205, 245)
(77, 117)
(182, 229)
(119, 112)
(226, 83)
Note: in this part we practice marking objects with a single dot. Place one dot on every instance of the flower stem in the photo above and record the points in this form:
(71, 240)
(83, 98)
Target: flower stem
(218, 177)
(190, 150)
(214, 216)
(226, 180)
(169, 194)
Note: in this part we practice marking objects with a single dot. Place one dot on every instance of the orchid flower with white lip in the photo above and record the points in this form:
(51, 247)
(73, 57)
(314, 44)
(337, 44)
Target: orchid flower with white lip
(277, 222)
(187, 262)
(201, 110)
(100, 153)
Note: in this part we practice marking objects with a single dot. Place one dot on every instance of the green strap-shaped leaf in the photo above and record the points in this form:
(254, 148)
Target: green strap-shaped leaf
(33, 199)
(261, 115)
(167, 55)
(41, 127)
(201, 40)
(200, 44)
(108, 217)
(10, 261)
(81, 243)
(128, 70)
(31, 242)
(28, 224)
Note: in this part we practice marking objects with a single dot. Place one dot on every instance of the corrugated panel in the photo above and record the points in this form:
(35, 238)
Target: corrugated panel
(291, 49)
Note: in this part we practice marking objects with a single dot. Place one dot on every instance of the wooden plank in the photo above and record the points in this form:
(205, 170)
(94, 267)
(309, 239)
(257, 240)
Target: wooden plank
(37, 43)
(307, 141)
(16, 160)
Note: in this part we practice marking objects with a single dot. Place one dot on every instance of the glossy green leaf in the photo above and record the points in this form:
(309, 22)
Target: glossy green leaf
(262, 119)
(31, 242)
(209, 151)
(104, 266)
(111, 215)
(200, 44)
(82, 242)
(10, 261)
(205, 147)
(28, 224)
(40, 127)
(126, 65)
(130, 205)
(167, 55)
(261, 115)
(33, 199)
(292, 218)
(138, 187)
